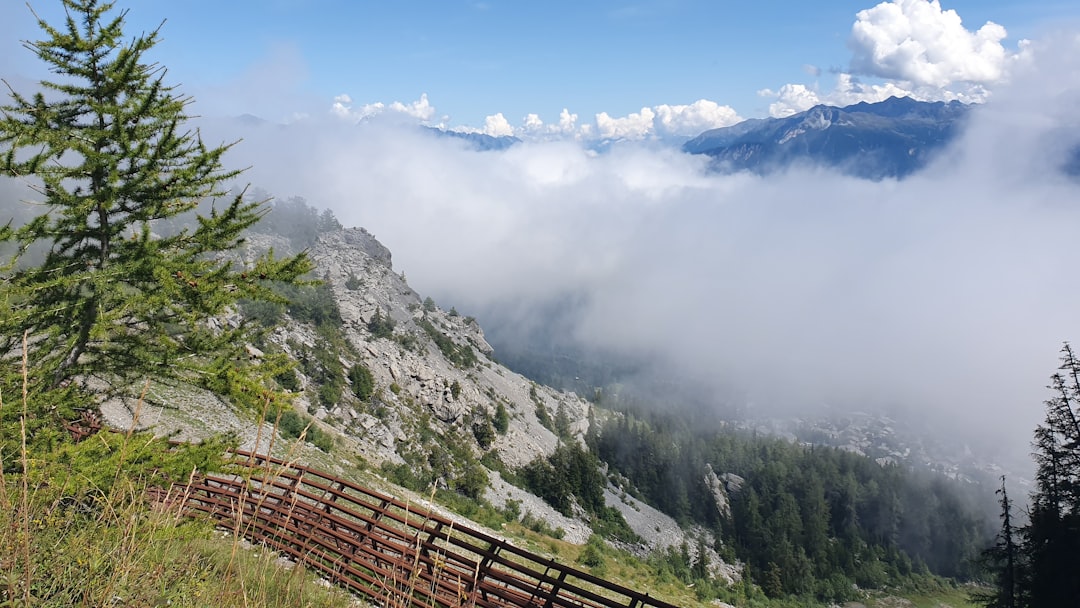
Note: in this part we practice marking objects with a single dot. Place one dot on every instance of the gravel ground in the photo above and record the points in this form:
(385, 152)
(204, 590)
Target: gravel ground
(658, 530)
(500, 491)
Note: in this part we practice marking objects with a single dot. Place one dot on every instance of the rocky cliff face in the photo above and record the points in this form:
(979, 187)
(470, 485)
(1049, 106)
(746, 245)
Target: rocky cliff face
(416, 380)
(435, 401)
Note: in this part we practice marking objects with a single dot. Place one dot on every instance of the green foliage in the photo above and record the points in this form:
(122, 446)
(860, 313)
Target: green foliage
(1035, 565)
(296, 220)
(809, 514)
(363, 383)
(429, 304)
(501, 422)
(569, 475)
(471, 481)
(561, 423)
(293, 425)
(81, 532)
(264, 312)
(352, 283)
(313, 302)
(538, 525)
(323, 366)
(543, 417)
(461, 355)
(609, 523)
(288, 380)
(483, 431)
(593, 554)
(93, 466)
(409, 341)
(541, 411)
(110, 300)
(380, 326)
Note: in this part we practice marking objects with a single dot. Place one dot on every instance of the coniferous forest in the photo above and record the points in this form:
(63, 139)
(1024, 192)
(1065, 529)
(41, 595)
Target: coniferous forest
(1035, 564)
(806, 520)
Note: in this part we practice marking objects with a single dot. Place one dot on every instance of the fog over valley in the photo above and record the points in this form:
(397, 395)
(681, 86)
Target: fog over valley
(946, 295)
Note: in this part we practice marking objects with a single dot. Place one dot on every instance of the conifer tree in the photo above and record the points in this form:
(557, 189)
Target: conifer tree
(1052, 537)
(103, 301)
(1002, 560)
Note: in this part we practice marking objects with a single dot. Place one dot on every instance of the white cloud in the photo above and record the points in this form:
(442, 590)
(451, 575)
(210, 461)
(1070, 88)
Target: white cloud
(690, 120)
(791, 99)
(420, 110)
(535, 129)
(567, 121)
(915, 49)
(667, 120)
(636, 125)
(944, 292)
(497, 126)
(795, 98)
(659, 121)
(916, 41)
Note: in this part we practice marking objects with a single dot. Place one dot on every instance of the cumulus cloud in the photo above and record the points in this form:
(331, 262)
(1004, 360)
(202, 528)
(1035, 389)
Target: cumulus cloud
(917, 41)
(497, 126)
(535, 129)
(667, 120)
(946, 293)
(635, 125)
(916, 49)
(695, 118)
(794, 98)
(420, 110)
(655, 122)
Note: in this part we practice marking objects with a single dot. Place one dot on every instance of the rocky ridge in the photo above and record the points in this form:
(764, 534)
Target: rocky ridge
(423, 400)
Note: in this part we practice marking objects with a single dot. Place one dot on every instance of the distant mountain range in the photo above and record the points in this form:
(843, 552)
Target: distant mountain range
(888, 139)
(479, 141)
(892, 138)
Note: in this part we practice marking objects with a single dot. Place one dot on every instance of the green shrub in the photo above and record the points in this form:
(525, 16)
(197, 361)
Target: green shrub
(288, 380)
(593, 553)
(380, 326)
(502, 419)
(472, 481)
(265, 313)
(461, 355)
(363, 383)
(293, 425)
(483, 432)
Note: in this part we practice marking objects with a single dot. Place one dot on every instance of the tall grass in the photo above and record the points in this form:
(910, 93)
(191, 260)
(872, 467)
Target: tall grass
(72, 536)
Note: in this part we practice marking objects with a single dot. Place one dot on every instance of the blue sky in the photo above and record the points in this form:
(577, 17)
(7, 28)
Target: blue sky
(457, 63)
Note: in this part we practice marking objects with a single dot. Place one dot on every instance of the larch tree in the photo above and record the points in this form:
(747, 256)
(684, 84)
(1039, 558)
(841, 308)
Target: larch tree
(101, 301)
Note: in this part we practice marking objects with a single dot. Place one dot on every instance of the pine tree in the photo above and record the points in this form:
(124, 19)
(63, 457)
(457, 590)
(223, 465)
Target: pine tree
(1002, 561)
(1052, 536)
(102, 300)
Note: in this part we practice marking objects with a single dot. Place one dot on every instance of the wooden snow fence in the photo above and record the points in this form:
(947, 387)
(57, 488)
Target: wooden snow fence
(390, 551)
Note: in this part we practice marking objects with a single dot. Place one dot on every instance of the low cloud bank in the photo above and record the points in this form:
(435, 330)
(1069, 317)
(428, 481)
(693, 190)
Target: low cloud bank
(947, 294)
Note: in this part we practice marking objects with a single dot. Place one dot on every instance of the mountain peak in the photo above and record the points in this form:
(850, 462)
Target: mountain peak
(890, 138)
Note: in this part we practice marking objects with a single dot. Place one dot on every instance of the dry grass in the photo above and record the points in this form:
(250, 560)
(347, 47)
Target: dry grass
(66, 540)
